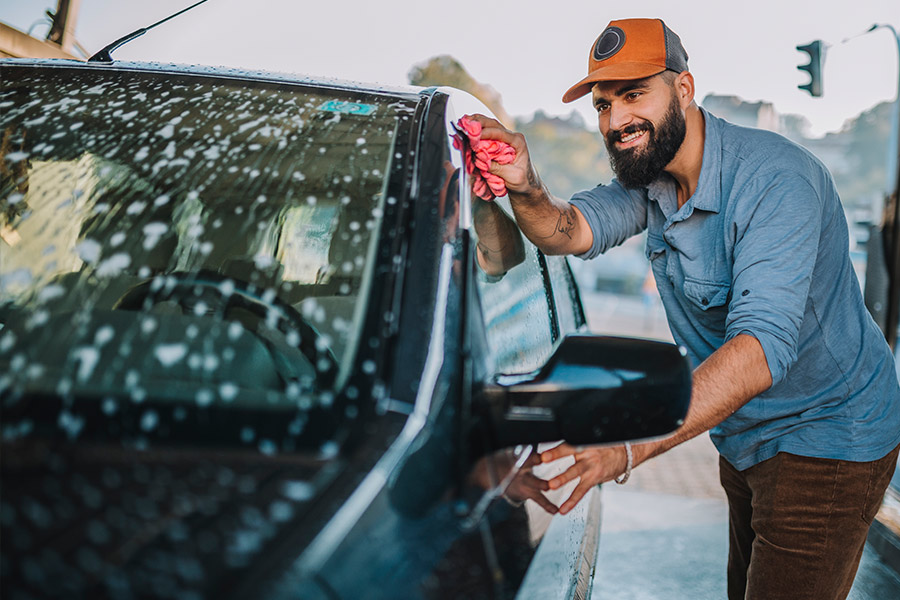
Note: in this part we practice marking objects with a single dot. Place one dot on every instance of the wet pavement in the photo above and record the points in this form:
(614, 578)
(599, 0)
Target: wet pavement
(664, 534)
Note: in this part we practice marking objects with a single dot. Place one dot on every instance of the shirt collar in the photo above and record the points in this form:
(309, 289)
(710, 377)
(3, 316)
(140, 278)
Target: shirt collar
(707, 196)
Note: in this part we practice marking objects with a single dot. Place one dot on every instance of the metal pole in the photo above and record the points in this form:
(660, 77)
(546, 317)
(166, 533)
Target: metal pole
(63, 30)
(892, 156)
(891, 235)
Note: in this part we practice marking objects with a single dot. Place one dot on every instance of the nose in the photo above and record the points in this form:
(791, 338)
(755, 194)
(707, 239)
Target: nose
(619, 116)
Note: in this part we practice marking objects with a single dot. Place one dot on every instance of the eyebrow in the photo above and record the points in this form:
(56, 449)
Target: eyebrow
(640, 84)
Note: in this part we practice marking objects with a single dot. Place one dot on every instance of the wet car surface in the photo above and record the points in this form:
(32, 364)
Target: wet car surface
(258, 339)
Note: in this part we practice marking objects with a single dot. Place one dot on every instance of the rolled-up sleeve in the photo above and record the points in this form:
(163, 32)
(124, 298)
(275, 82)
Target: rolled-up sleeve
(776, 243)
(613, 213)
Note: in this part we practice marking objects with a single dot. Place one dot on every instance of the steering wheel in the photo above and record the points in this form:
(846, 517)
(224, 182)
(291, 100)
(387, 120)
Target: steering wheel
(222, 294)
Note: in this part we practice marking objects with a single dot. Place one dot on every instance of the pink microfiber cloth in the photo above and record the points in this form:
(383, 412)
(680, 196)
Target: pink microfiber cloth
(485, 184)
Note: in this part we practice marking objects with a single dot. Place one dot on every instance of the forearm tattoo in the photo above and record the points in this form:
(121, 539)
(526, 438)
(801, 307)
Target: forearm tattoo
(532, 178)
(566, 223)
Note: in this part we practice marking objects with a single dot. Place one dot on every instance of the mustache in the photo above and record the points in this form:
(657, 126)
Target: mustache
(615, 135)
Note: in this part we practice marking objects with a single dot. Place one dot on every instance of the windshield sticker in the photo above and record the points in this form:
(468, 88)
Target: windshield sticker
(348, 108)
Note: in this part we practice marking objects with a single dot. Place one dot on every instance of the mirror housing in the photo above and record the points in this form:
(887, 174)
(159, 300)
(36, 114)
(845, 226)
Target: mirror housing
(593, 390)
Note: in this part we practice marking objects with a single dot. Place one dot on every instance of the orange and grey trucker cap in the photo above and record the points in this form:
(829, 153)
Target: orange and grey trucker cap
(631, 49)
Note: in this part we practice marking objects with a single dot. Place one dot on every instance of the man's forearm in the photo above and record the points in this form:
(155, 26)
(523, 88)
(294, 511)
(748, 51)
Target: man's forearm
(732, 376)
(553, 225)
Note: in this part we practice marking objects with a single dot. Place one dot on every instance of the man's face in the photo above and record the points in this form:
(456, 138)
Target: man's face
(643, 126)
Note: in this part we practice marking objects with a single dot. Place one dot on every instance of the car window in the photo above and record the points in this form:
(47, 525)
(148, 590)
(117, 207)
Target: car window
(565, 295)
(197, 241)
(517, 314)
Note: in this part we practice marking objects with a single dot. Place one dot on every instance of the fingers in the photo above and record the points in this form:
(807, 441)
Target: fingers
(486, 121)
(527, 486)
(545, 503)
(492, 129)
(533, 460)
(577, 494)
(537, 482)
(573, 472)
(558, 452)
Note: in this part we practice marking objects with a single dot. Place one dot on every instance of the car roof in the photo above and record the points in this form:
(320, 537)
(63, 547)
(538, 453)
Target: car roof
(407, 92)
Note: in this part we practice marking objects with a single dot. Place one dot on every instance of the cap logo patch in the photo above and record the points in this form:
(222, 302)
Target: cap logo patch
(609, 42)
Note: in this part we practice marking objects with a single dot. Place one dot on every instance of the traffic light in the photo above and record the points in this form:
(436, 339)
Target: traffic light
(816, 51)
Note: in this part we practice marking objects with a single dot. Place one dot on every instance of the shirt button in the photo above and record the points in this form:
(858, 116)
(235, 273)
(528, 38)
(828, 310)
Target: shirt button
(704, 301)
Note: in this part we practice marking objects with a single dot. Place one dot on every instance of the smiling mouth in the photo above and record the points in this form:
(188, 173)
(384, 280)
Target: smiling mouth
(630, 138)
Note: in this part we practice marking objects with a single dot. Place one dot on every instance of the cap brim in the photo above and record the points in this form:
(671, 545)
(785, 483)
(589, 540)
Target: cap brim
(617, 72)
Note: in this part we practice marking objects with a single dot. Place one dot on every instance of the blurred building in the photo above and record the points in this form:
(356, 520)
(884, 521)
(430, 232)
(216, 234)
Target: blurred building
(59, 43)
(761, 115)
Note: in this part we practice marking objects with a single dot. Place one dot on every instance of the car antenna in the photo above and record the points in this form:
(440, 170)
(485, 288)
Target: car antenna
(105, 55)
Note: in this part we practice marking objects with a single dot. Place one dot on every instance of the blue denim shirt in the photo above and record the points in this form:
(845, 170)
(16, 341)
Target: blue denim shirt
(762, 248)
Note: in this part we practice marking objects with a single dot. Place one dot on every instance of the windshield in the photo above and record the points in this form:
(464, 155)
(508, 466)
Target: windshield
(193, 240)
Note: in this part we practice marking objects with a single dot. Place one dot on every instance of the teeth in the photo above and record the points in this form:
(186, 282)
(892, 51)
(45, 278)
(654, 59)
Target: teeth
(631, 136)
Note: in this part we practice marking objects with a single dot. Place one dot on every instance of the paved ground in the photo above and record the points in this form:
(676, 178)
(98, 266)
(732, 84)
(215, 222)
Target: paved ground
(664, 534)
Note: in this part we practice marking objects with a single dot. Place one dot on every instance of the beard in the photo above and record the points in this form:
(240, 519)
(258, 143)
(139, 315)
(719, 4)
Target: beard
(639, 167)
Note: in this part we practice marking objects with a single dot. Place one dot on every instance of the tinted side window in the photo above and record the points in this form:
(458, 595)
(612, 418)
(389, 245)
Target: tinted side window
(517, 312)
(565, 295)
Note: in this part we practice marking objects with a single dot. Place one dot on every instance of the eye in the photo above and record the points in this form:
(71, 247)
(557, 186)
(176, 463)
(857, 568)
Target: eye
(602, 107)
(633, 96)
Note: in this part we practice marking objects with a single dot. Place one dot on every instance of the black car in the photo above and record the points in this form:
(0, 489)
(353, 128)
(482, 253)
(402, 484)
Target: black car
(259, 340)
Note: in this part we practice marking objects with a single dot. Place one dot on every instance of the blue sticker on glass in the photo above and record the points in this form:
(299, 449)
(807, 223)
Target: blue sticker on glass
(348, 108)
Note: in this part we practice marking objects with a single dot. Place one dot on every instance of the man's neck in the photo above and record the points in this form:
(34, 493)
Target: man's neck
(685, 167)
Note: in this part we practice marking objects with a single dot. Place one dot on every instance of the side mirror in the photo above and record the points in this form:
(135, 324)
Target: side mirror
(593, 390)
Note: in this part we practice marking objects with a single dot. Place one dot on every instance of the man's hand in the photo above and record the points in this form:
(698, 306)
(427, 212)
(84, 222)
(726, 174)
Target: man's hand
(724, 382)
(519, 175)
(526, 486)
(593, 465)
(553, 225)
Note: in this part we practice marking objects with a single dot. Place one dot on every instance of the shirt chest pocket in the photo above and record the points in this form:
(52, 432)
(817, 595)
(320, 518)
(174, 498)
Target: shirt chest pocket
(706, 295)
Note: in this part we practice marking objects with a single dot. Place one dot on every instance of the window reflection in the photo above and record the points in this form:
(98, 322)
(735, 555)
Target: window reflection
(516, 310)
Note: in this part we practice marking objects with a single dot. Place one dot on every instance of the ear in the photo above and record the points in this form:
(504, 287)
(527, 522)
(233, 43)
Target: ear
(684, 88)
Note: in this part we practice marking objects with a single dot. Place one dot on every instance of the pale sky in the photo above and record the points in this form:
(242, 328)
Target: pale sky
(530, 51)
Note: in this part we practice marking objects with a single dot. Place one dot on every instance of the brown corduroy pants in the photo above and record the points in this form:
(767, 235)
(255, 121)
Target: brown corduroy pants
(798, 525)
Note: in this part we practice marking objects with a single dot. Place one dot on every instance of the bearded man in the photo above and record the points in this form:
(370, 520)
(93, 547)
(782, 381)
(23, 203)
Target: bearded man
(749, 247)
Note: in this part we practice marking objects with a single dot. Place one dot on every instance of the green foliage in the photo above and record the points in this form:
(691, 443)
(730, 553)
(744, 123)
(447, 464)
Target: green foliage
(569, 156)
(860, 172)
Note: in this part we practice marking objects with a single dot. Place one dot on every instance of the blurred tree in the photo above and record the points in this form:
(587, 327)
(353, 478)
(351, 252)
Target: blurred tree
(569, 156)
(864, 141)
(446, 70)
